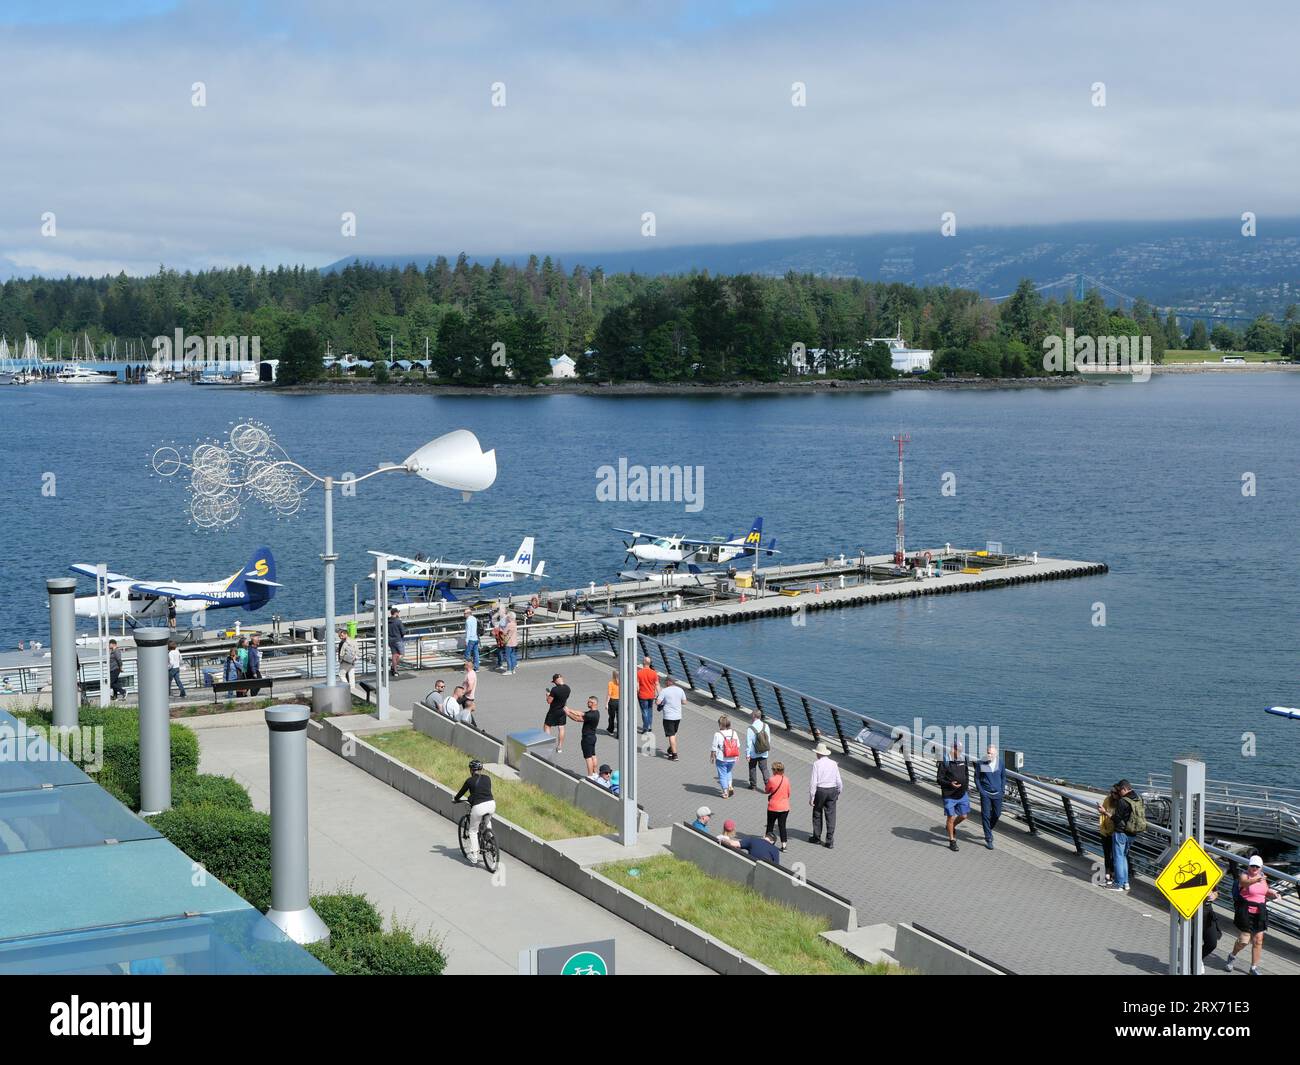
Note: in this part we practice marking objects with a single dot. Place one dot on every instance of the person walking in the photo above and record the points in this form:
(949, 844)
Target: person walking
(230, 667)
(347, 656)
(647, 689)
(471, 636)
(557, 699)
(758, 746)
(990, 782)
(723, 753)
(1251, 913)
(254, 667)
(611, 704)
(470, 682)
(590, 721)
(241, 656)
(512, 643)
(778, 802)
(115, 685)
(396, 640)
(174, 668)
(499, 618)
(824, 787)
(954, 786)
(1106, 829)
(671, 700)
(1129, 819)
(171, 614)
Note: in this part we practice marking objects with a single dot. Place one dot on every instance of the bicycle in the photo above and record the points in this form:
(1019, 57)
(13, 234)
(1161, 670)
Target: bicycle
(487, 841)
(1184, 872)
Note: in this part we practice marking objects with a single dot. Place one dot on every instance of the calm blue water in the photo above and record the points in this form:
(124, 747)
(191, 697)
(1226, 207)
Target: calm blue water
(1201, 601)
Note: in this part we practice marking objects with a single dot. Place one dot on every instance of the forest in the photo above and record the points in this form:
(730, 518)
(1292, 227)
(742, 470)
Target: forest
(482, 324)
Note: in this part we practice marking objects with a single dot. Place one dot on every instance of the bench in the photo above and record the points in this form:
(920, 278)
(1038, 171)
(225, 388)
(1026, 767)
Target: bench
(252, 685)
(91, 687)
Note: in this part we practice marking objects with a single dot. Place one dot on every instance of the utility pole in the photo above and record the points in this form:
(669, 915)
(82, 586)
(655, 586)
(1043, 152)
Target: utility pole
(901, 439)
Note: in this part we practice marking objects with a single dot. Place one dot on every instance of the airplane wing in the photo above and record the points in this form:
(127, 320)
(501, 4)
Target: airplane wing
(264, 584)
(172, 591)
(90, 571)
(703, 543)
(635, 534)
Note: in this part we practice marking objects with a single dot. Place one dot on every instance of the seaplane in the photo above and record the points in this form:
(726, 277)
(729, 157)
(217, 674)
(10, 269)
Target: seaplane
(434, 578)
(670, 552)
(250, 587)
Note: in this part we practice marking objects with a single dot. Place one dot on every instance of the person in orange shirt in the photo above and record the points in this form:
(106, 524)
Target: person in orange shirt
(778, 801)
(611, 703)
(647, 689)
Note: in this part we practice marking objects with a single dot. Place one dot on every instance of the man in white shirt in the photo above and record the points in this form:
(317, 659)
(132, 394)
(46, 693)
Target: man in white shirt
(671, 700)
(824, 787)
(174, 668)
(451, 705)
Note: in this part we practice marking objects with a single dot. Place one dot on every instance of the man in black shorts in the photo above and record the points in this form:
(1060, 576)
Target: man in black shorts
(557, 700)
(590, 719)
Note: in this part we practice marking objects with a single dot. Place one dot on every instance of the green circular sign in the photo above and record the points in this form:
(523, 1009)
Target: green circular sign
(585, 963)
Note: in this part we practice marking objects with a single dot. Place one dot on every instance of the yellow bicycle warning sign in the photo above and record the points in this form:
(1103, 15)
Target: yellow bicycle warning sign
(1188, 878)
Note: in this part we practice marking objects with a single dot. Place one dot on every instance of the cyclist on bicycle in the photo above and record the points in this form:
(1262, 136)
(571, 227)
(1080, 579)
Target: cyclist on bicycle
(478, 786)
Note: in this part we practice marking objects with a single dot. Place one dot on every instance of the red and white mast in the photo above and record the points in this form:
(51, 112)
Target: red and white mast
(900, 439)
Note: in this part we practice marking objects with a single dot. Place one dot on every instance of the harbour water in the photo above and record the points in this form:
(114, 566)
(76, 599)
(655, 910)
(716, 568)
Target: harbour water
(1200, 605)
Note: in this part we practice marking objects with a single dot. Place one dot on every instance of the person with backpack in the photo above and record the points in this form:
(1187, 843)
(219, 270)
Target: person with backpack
(723, 754)
(1130, 820)
(1106, 829)
(1251, 896)
(758, 747)
(1210, 930)
(347, 655)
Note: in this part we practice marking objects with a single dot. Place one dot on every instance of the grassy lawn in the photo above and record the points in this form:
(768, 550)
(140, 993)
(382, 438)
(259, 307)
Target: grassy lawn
(785, 939)
(521, 804)
(1176, 355)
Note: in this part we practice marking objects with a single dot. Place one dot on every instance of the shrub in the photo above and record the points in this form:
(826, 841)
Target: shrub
(347, 915)
(208, 789)
(395, 953)
(232, 845)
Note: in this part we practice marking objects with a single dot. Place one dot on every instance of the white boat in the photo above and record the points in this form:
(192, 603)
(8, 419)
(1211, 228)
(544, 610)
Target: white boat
(155, 377)
(83, 375)
(246, 375)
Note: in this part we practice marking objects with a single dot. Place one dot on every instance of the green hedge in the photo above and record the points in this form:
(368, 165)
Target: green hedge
(395, 953)
(347, 915)
(208, 789)
(358, 945)
(232, 845)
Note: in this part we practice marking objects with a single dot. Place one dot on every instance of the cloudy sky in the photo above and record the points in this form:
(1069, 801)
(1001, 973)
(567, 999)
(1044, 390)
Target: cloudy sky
(317, 107)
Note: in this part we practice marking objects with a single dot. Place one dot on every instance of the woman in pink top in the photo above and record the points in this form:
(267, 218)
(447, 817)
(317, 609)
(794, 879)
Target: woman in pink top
(1251, 916)
(778, 801)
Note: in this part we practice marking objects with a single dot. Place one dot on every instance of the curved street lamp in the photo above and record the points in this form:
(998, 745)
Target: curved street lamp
(252, 465)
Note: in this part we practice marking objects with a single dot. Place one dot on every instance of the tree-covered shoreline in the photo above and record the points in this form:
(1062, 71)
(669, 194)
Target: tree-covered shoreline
(481, 325)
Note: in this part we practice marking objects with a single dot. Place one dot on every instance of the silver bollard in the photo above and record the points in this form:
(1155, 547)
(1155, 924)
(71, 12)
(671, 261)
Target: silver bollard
(290, 910)
(63, 650)
(155, 720)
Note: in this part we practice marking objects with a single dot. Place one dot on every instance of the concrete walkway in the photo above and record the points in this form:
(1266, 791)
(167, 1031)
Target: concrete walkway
(367, 837)
(1029, 905)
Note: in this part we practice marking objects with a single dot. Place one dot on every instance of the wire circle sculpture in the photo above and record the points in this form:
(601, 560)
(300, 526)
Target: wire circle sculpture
(223, 475)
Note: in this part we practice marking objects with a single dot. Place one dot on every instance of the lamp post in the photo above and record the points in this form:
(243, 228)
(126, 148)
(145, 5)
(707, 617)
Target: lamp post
(253, 465)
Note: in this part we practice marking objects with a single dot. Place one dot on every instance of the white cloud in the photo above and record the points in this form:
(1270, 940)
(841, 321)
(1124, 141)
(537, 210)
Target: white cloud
(316, 109)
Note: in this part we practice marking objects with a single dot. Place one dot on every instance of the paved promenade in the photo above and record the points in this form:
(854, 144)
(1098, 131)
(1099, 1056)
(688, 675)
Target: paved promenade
(365, 836)
(1028, 905)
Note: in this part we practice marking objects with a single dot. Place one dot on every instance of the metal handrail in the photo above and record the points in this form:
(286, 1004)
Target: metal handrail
(1044, 807)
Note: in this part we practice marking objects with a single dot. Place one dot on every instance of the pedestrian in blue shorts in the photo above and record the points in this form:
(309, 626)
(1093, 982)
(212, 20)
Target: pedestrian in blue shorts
(954, 782)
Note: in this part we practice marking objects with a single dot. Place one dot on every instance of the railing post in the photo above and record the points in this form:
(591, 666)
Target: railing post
(1074, 830)
(735, 699)
(1024, 805)
(754, 692)
(686, 669)
(835, 716)
(807, 712)
(780, 705)
(663, 654)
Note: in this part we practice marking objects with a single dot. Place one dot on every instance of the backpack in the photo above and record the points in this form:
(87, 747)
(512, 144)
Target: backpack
(730, 744)
(1136, 821)
(761, 742)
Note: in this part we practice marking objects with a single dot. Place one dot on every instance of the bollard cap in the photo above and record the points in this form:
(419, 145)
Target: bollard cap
(61, 585)
(152, 637)
(287, 718)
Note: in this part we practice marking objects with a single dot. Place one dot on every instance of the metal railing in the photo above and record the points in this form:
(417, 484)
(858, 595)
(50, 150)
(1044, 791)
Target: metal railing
(1063, 813)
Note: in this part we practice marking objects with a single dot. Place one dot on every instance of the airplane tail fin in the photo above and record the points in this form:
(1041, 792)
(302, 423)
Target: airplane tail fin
(257, 579)
(541, 568)
(754, 538)
(523, 560)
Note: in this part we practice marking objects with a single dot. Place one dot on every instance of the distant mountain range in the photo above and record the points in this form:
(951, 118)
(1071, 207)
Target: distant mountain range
(1200, 268)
